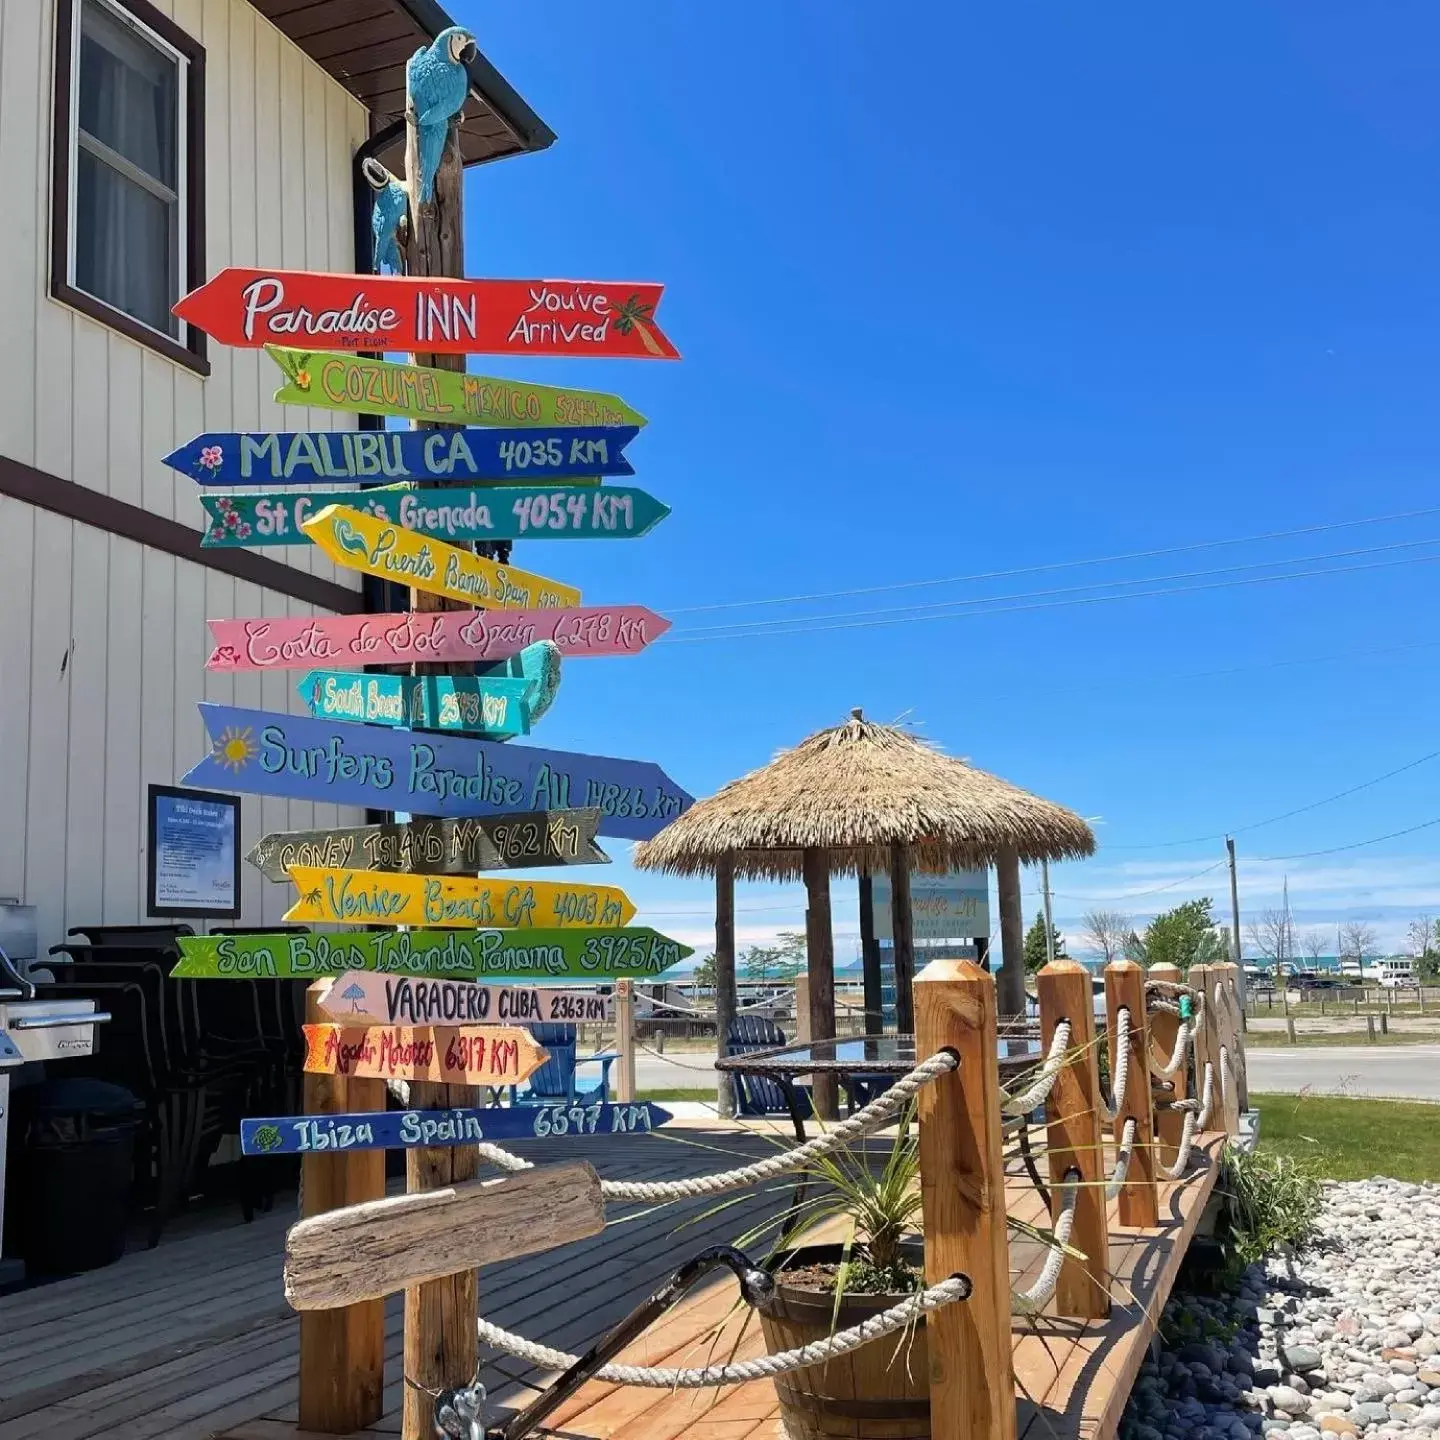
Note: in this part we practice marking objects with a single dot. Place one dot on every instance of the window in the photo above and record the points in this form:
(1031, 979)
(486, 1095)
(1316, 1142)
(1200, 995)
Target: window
(127, 239)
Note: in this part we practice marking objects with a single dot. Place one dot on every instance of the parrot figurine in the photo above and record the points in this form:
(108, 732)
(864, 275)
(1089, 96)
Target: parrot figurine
(538, 665)
(436, 84)
(388, 218)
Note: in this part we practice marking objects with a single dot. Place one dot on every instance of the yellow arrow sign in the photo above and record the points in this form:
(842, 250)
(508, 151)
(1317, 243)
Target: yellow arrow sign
(376, 897)
(361, 542)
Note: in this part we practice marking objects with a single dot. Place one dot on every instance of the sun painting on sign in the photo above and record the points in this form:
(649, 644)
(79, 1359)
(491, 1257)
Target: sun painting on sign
(235, 748)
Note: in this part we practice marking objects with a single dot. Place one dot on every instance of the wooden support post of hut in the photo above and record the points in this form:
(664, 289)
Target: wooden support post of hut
(1075, 1139)
(1164, 1030)
(962, 1187)
(1011, 973)
(902, 933)
(724, 974)
(820, 952)
(870, 959)
(1125, 990)
(342, 1351)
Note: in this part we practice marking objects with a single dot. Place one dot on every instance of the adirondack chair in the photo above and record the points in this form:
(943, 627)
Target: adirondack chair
(759, 1094)
(554, 1083)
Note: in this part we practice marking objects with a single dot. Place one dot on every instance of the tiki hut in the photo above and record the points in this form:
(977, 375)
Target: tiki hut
(861, 799)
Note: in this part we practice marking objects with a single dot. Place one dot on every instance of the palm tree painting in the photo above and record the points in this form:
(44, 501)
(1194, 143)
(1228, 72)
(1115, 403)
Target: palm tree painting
(633, 315)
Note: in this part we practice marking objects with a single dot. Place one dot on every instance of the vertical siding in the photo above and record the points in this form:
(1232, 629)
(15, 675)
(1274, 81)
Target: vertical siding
(103, 642)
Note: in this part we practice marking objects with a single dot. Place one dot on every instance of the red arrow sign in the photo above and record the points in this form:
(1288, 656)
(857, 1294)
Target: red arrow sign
(463, 317)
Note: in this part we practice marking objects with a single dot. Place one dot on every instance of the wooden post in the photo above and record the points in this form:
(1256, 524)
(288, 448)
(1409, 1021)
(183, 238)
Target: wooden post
(1207, 1052)
(625, 1039)
(342, 1352)
(441, 1343)
(820, 956)
(1075, 1138)
(902, 933)
(802, 1008)
(1384, 1024)
(962, 1187)
(1370, 1028)
(1225, 1038)
(724, 975)
(1290, 1029)
(870, 959)
(1125, 988)
(1164, 1029)
(1233, 979)
(1012, 935)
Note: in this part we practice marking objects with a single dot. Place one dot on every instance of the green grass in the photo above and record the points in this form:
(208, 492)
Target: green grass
(663, 1095)
(1353, 1139)
(1277, 1039)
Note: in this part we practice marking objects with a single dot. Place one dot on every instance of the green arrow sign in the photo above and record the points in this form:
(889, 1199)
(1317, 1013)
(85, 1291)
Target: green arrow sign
(596, 955)
(379, 387)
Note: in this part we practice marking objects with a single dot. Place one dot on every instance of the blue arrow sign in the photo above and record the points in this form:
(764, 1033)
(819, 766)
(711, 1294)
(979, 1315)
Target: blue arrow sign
(264, 753)
(410, 1129)
(494, 708)
(302, 457)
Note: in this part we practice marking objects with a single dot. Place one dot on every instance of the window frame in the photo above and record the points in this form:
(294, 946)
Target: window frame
(190, 349)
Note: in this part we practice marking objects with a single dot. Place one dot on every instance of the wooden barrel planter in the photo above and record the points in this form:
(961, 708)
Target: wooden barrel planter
(879, 1392)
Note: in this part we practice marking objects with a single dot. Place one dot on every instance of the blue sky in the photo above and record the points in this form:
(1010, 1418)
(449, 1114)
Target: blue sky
(987, 289)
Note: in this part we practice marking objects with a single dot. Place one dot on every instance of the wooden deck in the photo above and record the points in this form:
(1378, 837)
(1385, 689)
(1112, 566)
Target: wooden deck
(193, 1339)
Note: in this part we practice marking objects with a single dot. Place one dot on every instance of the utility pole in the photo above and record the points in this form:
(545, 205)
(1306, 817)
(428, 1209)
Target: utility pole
(1049, 923)
(1235, 925)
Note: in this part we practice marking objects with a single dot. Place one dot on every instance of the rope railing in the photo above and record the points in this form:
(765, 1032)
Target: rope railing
(1197, 1116)
(1123, 1152)
(1119, 1065)
(1031, 1301)
(737, 1372)
(1039, 1091)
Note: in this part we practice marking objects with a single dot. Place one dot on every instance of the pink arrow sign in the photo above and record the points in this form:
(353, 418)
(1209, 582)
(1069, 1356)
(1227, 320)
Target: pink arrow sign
(300, 643)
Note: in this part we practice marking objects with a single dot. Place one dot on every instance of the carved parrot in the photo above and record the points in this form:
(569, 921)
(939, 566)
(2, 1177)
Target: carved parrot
(538, 664)
(388, 218)
(436, 84)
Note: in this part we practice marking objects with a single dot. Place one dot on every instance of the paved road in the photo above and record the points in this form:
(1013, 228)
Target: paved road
(1395, 1070)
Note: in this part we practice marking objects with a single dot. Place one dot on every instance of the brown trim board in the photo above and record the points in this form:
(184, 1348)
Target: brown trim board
(130, 522)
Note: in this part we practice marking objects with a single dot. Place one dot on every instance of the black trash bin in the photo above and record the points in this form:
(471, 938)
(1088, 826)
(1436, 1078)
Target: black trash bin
(71, 1178)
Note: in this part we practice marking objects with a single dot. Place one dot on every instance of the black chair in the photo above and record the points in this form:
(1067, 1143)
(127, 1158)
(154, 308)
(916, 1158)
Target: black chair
(159, 937)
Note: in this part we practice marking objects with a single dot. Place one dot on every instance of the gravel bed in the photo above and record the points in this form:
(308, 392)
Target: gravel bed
(1342, 1339)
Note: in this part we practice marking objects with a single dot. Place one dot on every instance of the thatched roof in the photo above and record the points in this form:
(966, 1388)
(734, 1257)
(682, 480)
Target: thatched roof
(855, 791)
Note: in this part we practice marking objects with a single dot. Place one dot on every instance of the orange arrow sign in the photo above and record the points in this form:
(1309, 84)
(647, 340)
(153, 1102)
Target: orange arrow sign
(458, 1055)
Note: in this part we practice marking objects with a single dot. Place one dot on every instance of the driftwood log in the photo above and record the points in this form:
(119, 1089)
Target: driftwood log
(365, 1251)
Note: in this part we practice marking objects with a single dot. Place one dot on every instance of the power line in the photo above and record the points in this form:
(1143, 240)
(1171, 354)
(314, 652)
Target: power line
(1336, 849)
(988, 600)
(1138, 894)
(1059, 564)
(692, 639)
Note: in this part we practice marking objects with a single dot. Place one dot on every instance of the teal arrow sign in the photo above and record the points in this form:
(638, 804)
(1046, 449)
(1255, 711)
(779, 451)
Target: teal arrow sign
(454, 513)
(493, 706)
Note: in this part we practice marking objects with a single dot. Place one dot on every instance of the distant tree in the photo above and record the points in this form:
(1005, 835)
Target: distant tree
(794, 954)
(1035, 956)
(1107, 930)
(1357, 940)
(1420, 938)
(703, 975)
(762, 963)
(1313, 944)
(1174, 936)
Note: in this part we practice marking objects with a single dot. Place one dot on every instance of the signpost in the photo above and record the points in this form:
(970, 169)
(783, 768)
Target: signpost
(410, 1129)
(439, 847)
(266, 753)
(577, 453)
(375, 547)
(360, 996)
(606, 319)
(491, 705)
(416, 392)
(367, 897)
(503, 512)
(365, 1251)
(596, 956)
(944, 907)
(266, 643)
(447, 1055)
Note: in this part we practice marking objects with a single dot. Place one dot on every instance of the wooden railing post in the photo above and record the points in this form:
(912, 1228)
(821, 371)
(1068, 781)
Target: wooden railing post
(1125, 989)
(962, 1187)
(802, 1009)
(342, 1351)
(625, 1039)
(1231, 980)
(1220, 1013)
(1207, 1048)
(1075, 1139)
(1164, 1029)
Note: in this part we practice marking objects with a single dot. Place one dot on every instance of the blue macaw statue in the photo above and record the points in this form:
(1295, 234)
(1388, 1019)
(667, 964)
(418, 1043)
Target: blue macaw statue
(538, 664)
(436, 84)
(391, 212)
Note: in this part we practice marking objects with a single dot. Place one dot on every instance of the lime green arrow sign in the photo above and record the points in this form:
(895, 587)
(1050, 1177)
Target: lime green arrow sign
(379, 387)
(597, 955)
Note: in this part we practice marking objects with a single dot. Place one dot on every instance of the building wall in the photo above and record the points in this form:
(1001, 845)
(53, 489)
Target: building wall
(102, 640)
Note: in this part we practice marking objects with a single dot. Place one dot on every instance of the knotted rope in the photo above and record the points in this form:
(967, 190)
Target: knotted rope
(1123, 1153)
(1191, 1125)
(1119, 1065)
(1033, 1300)
(910, 1309)
(1031, 1099)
